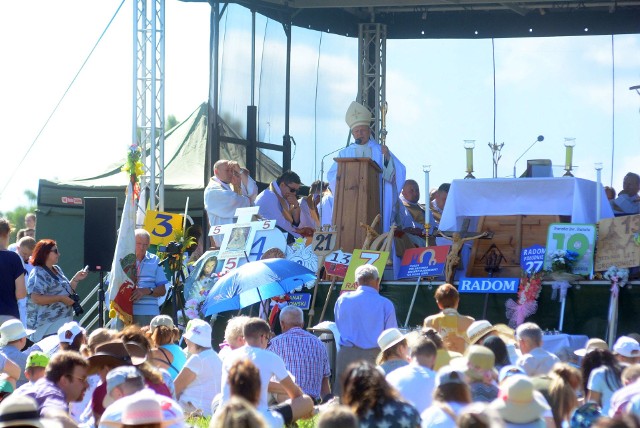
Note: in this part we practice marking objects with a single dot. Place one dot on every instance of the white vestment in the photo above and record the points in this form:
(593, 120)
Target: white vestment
(392, 187)
(221, 202)
(271, 209)
(306, 219)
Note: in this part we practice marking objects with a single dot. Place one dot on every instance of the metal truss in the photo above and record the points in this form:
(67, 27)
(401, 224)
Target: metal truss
(148, 94)
(372, 60)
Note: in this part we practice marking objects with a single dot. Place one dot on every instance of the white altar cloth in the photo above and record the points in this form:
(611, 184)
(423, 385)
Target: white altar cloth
(570, 196)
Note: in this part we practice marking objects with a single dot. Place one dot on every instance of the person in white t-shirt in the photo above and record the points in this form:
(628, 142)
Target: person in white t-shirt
(200, 378)
(416, 381)
(257, 334)
(451, 395)
(125, 386)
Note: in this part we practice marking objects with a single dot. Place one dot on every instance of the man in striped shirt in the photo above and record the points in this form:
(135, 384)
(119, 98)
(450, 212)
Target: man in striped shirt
(304, 355)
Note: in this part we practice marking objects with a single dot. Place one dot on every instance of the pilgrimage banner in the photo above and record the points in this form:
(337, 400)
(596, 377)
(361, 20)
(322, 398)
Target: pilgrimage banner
(618, 242)
(418, 262)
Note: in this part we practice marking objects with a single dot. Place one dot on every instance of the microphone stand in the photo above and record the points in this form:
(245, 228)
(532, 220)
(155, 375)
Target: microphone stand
(540, 138)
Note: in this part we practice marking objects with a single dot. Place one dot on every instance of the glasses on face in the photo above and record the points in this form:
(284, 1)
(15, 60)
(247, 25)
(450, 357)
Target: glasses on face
(81, 379)
(55, 250)
(292, 189)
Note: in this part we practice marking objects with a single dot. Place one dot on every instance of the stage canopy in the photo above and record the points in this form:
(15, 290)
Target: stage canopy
(457, 19)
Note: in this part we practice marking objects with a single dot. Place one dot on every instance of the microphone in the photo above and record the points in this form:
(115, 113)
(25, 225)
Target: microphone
(540, 138)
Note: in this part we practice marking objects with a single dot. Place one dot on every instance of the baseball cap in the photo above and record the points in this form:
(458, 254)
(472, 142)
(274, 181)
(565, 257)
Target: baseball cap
(159, 320)
(37, 359)
(117, 377)
(68, 332)
(509, 370)
(449, 374)
(627, 347)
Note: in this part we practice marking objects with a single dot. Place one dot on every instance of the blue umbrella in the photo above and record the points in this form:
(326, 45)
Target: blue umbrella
(254, 282)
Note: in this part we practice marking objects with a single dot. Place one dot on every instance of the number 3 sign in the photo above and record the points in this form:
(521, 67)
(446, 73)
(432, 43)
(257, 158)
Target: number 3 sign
(580, 238)
(162, 226)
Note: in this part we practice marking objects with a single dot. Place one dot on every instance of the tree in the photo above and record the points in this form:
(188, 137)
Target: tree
(170, 122)
(16, 216)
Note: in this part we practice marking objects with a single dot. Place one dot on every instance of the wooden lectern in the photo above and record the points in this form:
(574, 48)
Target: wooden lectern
(356, 200)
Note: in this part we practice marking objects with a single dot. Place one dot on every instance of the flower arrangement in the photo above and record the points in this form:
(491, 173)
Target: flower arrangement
(618, 277)
(133, 165)
(563, 261)
(527, 304)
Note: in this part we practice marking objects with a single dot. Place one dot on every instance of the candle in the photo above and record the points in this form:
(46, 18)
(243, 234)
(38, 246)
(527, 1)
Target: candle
(427, 202)
(569, 143)
(469, 145)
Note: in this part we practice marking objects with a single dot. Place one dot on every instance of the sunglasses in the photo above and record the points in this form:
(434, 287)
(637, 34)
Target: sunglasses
(292, 189)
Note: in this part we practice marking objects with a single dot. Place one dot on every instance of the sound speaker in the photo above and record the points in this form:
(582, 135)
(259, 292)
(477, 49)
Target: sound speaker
(100, 232)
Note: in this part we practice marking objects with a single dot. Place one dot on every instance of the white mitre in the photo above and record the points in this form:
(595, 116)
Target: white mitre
(357, 115)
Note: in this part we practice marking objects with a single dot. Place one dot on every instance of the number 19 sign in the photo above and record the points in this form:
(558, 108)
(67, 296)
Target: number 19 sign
(580, 238)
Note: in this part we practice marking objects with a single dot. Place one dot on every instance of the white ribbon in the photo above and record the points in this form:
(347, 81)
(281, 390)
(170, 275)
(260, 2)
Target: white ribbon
(563, 286)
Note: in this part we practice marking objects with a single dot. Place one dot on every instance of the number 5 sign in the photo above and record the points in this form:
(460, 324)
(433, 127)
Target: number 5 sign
(162, 226)
(580, 238)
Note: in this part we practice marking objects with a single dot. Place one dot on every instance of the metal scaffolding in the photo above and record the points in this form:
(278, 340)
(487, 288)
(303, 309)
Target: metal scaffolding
(148, 94)
(372, 60)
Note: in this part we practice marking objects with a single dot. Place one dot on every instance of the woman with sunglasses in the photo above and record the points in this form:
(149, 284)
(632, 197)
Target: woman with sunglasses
(50, 302)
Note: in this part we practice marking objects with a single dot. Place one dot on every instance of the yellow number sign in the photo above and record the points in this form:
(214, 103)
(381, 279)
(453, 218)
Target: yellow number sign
(162, 226)
(364, 257)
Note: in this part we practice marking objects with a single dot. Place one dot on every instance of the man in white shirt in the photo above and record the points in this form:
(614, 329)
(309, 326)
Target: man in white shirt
(257, 334)
(230, 188)
(416, 381)
(534, 360)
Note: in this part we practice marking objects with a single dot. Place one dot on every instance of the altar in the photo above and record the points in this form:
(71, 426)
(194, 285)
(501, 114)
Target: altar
(518, 213)
(562, 196)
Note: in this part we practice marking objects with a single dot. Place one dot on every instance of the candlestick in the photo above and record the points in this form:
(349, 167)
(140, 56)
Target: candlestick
(598, 167)
(469, 146)
(427, 201)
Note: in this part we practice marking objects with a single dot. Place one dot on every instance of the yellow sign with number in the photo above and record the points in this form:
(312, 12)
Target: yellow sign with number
(162, 226)
(364, 257)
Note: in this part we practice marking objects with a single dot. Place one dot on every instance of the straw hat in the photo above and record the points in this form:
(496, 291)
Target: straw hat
(521, 404)
(357, 115)
(593, 343)
(389, 337)
(479, 329)
(19, 410)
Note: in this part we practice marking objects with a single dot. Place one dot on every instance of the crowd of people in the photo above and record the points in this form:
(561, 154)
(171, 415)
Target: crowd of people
(146, 372)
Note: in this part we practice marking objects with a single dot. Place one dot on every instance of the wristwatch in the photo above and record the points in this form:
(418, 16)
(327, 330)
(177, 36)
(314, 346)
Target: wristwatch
(150, 291)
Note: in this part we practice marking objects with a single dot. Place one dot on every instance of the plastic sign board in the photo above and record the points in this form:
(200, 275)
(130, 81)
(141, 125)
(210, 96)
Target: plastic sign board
(301, 300)
(489, 285)
(532, 259)
(580, 238)
(337, 263)
(239, 238)
(618, 242)
(162, 226)
(364, 257)
(428, 261)
(324, 242)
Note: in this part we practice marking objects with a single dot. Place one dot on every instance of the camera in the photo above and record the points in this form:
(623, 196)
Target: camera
(173, 248)
(77, 308)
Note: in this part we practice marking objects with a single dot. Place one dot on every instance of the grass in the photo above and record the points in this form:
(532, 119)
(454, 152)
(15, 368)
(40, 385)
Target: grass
(200, 422)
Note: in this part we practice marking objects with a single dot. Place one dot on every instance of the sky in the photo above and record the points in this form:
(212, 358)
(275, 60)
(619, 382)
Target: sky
(439, 92)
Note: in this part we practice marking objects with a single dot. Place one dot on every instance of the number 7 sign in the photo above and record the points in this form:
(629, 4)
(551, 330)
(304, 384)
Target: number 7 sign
(364, 257)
